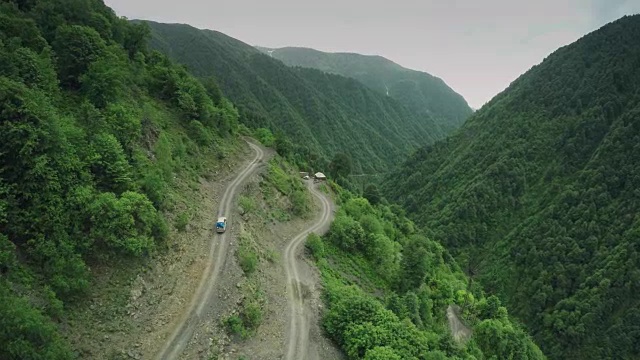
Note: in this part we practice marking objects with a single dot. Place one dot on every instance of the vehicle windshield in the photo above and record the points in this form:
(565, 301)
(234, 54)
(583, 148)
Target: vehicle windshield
(220, 224)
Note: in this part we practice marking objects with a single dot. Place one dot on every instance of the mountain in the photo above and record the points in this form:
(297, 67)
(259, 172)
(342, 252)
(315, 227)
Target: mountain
(96, 136)
(419, 91)
(391, 292)
(321, 114)
(537, 196)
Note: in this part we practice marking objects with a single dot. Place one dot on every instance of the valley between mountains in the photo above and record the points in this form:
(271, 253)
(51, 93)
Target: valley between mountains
(370, 213)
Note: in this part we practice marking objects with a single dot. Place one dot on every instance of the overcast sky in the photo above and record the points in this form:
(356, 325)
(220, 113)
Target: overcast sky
(477, 47)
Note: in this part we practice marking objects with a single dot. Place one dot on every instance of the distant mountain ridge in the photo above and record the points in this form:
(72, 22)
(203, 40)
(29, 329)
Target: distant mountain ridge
(419, 91)
(322, 114)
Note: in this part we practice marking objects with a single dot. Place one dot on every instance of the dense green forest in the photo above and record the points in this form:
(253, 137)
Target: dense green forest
(388, 286)
(537, 196)
(94, 129)
(319, 114)
(421, 92)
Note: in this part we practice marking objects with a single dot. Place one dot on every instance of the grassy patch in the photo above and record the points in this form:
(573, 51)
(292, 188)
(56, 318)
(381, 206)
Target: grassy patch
(182, 221)
(246, 320)
(247, 204)
(315, 245)
(247, 254)
(286, 181)
(271, 256)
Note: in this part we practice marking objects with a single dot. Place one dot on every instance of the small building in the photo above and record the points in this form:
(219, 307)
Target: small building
(319, 176)
(304, 174)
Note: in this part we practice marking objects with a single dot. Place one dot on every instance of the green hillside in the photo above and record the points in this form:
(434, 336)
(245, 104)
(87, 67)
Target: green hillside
(321, 114)
(95, 132)
(421, 92)
(388, 288)
(537, 196)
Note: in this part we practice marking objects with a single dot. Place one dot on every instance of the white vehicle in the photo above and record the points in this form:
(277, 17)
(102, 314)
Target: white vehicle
(221, 224)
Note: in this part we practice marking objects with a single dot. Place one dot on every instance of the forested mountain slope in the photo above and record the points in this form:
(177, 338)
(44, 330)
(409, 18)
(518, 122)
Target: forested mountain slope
(537, 196)
(419, 91)
(94, 131)
(322, 114)
(388, 288)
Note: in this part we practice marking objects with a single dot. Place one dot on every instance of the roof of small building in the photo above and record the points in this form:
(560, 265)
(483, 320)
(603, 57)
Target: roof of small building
(319, 175)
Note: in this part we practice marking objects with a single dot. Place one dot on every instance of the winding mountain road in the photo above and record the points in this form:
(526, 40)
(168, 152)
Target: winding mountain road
(298, 332)
(218, 253)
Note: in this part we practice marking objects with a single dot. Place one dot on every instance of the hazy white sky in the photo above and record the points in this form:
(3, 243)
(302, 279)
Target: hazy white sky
(477, 47)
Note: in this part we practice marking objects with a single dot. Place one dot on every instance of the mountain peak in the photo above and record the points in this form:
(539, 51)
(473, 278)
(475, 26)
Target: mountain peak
(418, 90)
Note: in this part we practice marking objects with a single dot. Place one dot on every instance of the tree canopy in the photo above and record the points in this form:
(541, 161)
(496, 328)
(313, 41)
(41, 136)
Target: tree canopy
(93, 128)
(536, 195)
(320, 114)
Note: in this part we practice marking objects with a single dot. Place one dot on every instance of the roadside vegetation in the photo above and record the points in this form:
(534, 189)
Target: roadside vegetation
(537, 196)
(96, 131)
(280, 196)
(313, 114)
(388, 285)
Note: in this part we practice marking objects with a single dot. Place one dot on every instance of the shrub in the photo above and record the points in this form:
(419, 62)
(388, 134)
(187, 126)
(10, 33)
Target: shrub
(299, 203)
(182, 221)
(265, 136)
(315, 245)
(235, 326)
(247, 204)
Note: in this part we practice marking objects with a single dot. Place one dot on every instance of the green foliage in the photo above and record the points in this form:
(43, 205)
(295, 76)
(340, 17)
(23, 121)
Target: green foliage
(123, 121)
(182, 221)
(300, 204)
(246, 322)
(235, 326)
(33, 69)
(417, 279)
(381, 353)
(249, 317)
(535, 195)
(315, 245)
(284, 178)
(319, 114)
(346, 232)
(265, 136)
(284, 146)
(27, 333)
(419, 91)
(359, 324)
(503, 341)
(135, 38)
(416, 263)
(109, 165)
(248, 260)
(246, 254)
(341, 165)
(126, 224)
(372, 193)
(199, 133)
(92, 135)
(248, 204)
(105, 79)
(76, 47)
(213, 90)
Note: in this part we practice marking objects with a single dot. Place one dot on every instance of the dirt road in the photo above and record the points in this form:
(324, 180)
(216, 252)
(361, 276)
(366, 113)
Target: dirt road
(218, 253)
(459, 331)
(298, 332)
